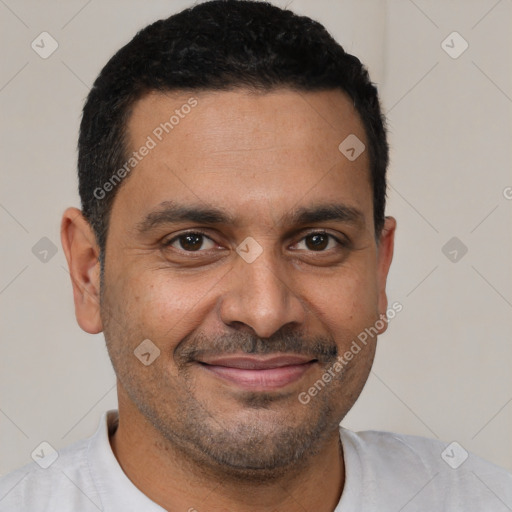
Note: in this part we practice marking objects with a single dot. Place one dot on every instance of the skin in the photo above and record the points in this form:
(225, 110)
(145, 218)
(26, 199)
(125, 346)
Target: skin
(188, 438)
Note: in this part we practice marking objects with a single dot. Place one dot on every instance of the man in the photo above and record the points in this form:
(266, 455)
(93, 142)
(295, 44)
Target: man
(232, 246)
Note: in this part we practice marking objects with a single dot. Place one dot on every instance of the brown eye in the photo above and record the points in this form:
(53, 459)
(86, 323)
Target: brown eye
(190, 242)
(317, 242)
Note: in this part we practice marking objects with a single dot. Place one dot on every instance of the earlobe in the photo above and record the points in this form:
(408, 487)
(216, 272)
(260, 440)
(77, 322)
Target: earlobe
(82, 255)
(384, 258)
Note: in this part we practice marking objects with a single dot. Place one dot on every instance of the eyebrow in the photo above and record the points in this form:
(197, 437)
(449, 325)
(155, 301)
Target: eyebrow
(170, 212)
(324, 212)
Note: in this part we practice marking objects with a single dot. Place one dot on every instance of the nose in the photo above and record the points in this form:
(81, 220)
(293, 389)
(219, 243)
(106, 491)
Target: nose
(260, 296)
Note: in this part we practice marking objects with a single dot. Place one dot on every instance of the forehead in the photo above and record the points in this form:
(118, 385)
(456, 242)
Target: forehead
(242, 150)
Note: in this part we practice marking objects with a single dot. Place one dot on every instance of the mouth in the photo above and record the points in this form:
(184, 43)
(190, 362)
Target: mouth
(259, 373)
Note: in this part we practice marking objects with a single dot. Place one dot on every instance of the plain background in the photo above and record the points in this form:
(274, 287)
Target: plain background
(442, 369)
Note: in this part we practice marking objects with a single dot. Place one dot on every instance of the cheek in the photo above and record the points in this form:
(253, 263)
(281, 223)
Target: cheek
(347, 299)
(166, 308)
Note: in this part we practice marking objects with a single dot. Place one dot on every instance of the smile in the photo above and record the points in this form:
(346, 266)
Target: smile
(259, 374)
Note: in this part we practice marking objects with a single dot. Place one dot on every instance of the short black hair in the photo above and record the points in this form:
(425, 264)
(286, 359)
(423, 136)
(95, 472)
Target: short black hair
(218, 45)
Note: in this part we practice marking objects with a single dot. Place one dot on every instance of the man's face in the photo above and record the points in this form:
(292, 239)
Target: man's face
(242, 333)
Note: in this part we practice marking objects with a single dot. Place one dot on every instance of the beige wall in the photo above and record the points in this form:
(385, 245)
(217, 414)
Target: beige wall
(443, 367)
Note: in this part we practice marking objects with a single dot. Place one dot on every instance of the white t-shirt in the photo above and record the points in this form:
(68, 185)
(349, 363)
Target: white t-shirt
(384, 472)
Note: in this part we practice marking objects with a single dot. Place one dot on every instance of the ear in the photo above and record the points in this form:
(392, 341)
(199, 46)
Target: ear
(384, 257)
(82, 254)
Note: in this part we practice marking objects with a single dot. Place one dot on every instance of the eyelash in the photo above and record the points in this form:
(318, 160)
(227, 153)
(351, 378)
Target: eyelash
(168, 243)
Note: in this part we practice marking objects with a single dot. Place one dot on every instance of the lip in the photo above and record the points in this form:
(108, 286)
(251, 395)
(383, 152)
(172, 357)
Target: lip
(258, 373)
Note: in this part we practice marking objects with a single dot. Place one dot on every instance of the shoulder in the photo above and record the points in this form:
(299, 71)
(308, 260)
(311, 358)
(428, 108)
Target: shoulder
(56, 481)
(443, 474)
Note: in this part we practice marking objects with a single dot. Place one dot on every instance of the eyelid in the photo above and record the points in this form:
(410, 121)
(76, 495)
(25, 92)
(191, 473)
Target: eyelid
(341, 239)
(195, 231)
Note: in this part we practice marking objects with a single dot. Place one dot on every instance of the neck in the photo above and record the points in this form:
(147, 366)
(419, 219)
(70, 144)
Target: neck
(173, 480)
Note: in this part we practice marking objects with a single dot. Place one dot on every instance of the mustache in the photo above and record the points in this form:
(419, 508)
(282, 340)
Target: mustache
(196, 347)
